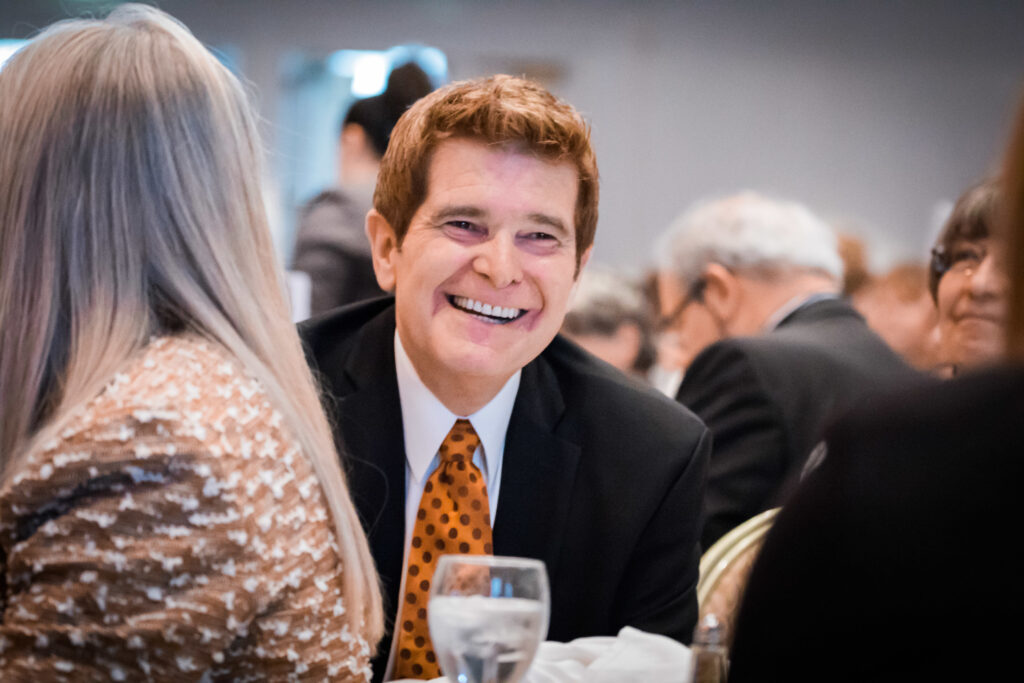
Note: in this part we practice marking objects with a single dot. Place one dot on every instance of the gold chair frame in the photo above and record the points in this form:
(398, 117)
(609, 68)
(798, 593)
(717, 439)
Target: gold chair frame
(720, 561)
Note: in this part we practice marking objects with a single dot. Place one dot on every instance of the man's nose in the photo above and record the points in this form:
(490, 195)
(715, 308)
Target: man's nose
(499, 261)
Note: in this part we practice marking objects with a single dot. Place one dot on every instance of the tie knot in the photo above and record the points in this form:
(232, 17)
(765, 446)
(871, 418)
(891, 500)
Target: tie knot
(460, 444)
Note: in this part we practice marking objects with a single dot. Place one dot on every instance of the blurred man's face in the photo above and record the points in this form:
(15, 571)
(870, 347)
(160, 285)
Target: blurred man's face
(687, 317)
(483, 277)
(619, 349)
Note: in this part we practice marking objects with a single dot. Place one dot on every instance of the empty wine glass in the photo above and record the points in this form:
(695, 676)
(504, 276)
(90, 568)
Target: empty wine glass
(487, 616)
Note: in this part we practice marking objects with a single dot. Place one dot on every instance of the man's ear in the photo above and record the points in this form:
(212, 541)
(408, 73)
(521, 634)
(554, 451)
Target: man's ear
(383, 248)
(723, 295)
(579, 271)
(583, 261)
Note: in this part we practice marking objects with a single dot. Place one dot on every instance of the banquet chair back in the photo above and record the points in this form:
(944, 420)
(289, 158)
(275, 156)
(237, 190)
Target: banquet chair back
(725, 566)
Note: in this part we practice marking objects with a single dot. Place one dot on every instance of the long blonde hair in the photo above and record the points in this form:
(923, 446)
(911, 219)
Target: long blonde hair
(130, 207)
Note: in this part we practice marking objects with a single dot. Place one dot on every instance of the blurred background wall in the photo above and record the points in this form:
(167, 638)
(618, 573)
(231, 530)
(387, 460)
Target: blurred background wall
(875, 113)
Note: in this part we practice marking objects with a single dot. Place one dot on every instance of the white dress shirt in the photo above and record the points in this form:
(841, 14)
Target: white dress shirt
(425, 424)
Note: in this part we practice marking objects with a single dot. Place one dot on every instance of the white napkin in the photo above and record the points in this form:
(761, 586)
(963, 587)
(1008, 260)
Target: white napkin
(632, 655)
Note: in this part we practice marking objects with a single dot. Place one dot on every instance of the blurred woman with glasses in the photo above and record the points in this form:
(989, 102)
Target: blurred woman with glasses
(968, 282)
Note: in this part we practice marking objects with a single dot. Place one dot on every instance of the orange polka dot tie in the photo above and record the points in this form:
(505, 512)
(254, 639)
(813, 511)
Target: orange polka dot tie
(454, 517)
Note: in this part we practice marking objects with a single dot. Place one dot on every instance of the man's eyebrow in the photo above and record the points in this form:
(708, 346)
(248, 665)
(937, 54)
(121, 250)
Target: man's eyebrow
(553, 222)
(467, 211)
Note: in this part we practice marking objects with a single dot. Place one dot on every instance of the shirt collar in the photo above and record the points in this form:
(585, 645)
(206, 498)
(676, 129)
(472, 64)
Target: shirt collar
(426, 421)
(792, 306)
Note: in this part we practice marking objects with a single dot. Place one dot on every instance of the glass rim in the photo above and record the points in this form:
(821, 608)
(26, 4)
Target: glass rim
(492, 560)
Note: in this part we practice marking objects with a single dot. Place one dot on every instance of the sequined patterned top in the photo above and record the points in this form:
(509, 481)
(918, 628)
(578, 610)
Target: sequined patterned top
(172, 531)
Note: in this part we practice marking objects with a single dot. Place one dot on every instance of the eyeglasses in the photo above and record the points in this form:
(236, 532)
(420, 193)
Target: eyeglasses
(695, 294)
(964, 258)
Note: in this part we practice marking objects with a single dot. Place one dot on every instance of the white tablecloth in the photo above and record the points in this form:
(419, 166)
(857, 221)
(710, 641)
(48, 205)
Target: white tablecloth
(630, 656)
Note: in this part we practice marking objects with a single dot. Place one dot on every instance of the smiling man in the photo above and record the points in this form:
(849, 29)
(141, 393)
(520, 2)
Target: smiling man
(465, 424)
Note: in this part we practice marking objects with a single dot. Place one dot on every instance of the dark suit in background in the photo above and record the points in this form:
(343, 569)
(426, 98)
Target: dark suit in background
(332, 249)
(898, 559)
(602, 480)
(767, 399)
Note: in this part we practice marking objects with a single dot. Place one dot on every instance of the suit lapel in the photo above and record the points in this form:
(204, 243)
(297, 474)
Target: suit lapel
(370, 421)
(538, 471)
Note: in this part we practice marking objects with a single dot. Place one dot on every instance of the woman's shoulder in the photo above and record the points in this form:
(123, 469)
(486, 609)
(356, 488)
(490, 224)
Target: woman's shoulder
(992, 393)
(177, 494)
(186, 372)
(182, 387)
(938, 431)
(182, 402)
(181, 422)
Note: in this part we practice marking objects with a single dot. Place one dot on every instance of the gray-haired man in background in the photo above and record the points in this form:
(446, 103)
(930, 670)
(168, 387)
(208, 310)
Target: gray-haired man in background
(751, 286)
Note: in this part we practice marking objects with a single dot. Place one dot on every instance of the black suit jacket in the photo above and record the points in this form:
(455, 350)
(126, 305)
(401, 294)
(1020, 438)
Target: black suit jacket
(767, 400)
(898, 558)
(601, 479)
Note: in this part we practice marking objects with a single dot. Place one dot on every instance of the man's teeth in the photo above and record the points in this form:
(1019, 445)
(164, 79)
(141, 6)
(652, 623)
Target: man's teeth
(486, 309)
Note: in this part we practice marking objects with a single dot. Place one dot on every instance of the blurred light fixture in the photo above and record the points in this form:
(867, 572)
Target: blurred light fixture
(430, 59)
(8, 46)
(369, 69)
(370, 75)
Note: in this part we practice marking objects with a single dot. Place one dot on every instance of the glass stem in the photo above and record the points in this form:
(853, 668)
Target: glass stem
(490, 672)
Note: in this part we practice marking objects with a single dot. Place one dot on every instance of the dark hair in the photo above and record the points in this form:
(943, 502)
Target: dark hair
(378, 115)
(973, 218)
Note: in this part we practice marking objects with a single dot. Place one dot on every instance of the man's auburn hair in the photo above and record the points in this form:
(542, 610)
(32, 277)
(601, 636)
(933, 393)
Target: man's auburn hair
(508, 112)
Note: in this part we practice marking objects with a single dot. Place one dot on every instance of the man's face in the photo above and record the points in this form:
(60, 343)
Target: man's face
(692, 322)
(483, 277)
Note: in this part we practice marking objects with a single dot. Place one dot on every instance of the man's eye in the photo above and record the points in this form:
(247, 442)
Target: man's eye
(540, 242)
(464, 229)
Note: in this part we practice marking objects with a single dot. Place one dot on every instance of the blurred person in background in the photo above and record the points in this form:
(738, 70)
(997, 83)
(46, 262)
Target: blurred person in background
(608, 317)
(899, 307)
(753, 282)
(855, 264)
(894, 561)
(330, 244)
(171, 504)
(670, 355)
(968, 282)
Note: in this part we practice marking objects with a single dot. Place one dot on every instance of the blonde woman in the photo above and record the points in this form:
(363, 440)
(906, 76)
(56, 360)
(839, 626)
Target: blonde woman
(171, 504)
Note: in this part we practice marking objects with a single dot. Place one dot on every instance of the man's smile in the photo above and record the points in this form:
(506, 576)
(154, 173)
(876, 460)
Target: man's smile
(498, 315)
